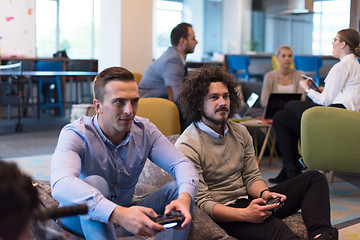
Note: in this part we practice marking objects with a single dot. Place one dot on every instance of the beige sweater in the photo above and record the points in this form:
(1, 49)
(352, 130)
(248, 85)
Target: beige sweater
(270, 85)
(227, 167)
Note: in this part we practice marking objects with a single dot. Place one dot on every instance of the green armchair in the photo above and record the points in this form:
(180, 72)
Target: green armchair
(330, 139)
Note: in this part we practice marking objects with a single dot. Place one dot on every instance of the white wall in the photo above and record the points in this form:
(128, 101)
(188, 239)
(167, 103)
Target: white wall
(126, 34)
(236, 26)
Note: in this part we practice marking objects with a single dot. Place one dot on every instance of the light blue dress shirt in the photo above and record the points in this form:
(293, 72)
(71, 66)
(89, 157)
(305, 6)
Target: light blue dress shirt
(83, 150)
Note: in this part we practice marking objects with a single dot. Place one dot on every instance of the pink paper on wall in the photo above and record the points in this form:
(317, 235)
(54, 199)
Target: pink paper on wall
(17, 28)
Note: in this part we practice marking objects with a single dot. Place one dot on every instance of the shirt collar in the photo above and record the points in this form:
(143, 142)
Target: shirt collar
(205, 128)
(182, 59)
(348, 56)
(105, 139)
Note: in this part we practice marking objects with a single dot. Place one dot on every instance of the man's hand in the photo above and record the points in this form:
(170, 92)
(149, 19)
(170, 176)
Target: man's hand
(257, 211)
(182, 205)
(266, 195)
(136, 220)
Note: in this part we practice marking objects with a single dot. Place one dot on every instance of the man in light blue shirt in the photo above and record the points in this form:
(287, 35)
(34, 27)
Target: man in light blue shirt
(98, 160)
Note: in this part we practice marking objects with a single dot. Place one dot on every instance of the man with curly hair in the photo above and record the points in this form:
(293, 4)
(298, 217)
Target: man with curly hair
(231, 189)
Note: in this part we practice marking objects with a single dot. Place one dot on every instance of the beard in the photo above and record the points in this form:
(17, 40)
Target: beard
(189, 50)
(212, 119)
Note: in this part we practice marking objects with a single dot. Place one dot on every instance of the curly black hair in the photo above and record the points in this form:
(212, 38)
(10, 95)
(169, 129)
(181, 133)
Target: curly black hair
(196, 87)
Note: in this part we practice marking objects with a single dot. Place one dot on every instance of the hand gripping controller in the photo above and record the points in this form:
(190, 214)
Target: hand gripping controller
(275, 200)
(171, 220)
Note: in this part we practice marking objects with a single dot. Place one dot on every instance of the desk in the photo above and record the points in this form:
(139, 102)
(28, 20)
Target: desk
(61, 74)
(18, 76)
(267, 126)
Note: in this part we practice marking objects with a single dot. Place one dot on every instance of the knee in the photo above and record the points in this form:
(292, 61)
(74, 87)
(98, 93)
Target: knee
(292, 104)
(279, 117)
(99, 183)
(316, 176)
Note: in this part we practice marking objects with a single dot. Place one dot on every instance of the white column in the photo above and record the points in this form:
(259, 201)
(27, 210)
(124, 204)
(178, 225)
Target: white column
(193, 13)
(126, 34)
(236, 35)
(136, 31)
(110, 34)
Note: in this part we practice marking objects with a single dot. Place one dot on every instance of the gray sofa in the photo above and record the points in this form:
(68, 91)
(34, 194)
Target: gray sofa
(153, 177)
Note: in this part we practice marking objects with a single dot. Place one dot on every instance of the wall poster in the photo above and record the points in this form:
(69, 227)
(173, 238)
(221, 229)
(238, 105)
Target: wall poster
(17, 28)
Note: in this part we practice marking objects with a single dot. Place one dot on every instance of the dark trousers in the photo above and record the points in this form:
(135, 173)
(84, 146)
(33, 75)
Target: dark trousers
(287, 129)
(308, 192)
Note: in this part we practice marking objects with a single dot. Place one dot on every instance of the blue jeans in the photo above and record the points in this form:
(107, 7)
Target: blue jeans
(106, 231)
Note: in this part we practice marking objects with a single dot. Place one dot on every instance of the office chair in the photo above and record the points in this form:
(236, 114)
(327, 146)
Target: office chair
(161, 112)
(26, 86)
(44, 95)
(238, 66)
(309, 64)
(8, 96)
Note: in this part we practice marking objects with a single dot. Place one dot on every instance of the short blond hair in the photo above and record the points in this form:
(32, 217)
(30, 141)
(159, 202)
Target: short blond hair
(281, 48)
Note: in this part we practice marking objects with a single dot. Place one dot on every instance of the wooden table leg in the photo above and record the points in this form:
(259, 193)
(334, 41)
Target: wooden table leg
(264, 144)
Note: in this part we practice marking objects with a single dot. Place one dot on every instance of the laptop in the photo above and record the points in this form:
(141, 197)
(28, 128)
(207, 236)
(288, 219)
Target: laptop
(249, 104)
(277, 102)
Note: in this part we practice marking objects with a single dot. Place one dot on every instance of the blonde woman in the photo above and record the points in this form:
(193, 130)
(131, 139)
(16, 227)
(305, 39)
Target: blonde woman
(282, 80)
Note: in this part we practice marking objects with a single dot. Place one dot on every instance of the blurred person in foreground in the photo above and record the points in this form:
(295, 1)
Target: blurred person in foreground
(231, 189)
(18, 202)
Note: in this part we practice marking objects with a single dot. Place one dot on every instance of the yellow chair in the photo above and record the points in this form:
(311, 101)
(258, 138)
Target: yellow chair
(161, 112)
(275, 63)
(137, 76)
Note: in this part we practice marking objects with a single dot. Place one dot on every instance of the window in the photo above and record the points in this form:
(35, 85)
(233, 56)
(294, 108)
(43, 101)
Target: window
(45, 28)
(168, 15)
(329, 18)
(56, 29)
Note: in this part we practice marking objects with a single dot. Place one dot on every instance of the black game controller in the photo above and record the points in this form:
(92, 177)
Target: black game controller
(272, 200)
(171, 220)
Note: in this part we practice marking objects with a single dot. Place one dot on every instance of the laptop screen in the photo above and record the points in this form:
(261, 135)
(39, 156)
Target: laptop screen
(277, 102)
(249, 104)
